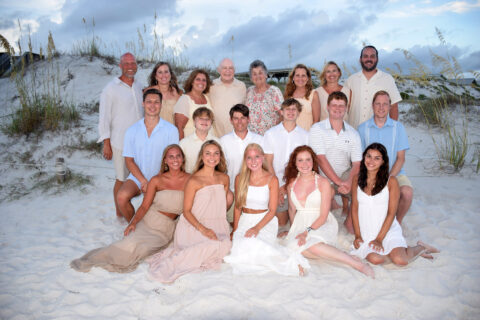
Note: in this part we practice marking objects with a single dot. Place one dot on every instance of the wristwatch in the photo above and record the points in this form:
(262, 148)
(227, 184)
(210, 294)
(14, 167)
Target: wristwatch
(309, 229)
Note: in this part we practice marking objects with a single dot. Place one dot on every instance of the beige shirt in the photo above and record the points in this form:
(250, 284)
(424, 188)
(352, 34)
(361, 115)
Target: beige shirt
(363, 91)
(186, 106)
(191, 146)
(223, 97)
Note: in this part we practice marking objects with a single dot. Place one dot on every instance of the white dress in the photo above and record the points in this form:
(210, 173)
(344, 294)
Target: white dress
(305, 216)
(372, 211)
(261, 254)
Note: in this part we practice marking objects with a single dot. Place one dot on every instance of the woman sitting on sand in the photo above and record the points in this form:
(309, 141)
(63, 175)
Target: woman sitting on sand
(255, 226)
(152, 226)
(314, 228)
(375, 196)
(164, 80)
(202, 237)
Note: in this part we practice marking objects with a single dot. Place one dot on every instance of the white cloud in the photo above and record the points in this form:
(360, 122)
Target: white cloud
(453, 6)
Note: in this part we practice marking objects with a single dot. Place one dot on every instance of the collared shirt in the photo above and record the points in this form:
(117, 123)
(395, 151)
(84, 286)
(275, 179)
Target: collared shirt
(120, 107)
(392, 135)
(363, 91)
(340, 149)
(223, 97)
(191, 146)
(147, 151)
(281, 143)
(233, 146)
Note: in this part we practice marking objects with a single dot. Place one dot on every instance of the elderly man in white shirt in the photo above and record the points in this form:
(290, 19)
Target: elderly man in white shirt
(191, 145)
(225, 92)
(120, 107)
(234, 144)
(338, 148)
(279, 142)
(365, 83)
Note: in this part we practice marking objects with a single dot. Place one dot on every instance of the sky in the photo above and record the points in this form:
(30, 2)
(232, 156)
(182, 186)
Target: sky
(280, 33)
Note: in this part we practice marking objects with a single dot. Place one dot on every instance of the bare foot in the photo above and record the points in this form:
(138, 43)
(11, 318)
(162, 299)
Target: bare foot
(301, 271)
(428, 250)
(349, 225)
(364, 268)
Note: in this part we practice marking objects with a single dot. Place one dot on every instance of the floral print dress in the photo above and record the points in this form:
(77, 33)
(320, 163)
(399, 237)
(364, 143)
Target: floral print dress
(264, 108)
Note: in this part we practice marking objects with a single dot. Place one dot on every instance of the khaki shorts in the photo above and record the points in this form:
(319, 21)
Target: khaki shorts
(284, 207)
(344, 176)
(403, 181)
(121, 171)
(230, 211)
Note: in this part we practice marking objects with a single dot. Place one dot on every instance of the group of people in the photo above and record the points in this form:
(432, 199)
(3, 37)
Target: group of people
(243, 168)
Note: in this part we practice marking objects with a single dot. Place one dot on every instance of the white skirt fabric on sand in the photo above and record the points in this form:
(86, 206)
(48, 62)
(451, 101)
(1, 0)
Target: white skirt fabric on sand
(262, 254)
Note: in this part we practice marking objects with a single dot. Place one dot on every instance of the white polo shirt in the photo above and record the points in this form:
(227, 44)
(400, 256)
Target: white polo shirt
(233, 148)
(281, 143)
(340, 149)
(191, 146)
(363, 91)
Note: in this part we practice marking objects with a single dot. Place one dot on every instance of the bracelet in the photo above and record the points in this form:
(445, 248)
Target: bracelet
(308, 229)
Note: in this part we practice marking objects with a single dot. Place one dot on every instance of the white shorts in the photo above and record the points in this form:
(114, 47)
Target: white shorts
(121, 171)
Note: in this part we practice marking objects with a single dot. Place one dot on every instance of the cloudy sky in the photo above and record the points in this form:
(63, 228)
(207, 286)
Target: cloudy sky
(281, 33)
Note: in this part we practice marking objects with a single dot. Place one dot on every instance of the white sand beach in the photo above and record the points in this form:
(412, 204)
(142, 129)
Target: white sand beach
(44, 227)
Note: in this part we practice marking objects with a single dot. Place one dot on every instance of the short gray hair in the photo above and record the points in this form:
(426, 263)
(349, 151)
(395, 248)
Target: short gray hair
(256, 64)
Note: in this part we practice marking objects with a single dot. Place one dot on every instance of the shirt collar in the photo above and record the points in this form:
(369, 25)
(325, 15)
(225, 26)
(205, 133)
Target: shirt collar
(371, 123)
(328, 125)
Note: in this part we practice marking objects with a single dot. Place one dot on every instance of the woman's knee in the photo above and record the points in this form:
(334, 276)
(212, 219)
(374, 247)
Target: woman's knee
(375, 259)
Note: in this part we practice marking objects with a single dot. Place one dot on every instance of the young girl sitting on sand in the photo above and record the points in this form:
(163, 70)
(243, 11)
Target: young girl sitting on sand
(375, 196)
(314, 229)
(255, 249)
(202, 236)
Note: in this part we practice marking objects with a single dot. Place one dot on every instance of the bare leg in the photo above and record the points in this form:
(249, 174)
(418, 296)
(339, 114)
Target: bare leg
(118, 184)
(348, 223)
(128, 190)
(345, 207)
(406, 197)
(376, 258)
(283, 218)
(326, 251)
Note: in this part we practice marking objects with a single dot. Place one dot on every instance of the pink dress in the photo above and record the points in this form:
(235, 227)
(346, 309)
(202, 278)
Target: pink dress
(264, 108)
(191, 251)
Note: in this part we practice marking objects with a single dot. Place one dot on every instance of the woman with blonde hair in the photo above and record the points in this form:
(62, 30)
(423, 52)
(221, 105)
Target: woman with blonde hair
(164, 80)
(152, 226)
(329, 78)
(300, 87)
(202, 237)
(255, 226)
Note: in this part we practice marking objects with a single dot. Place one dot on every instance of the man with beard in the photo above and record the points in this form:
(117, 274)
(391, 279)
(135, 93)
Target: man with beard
(364, 84)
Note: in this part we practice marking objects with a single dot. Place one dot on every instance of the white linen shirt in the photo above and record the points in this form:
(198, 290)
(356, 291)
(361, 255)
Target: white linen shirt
(147, 151)
(233, 148)
(340, 149)
(191, 146)
(363, 91)
(281, 143)
(120, 107)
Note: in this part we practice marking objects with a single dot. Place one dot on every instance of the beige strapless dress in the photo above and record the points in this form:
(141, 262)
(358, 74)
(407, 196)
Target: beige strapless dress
(190, 250)
(151, 234)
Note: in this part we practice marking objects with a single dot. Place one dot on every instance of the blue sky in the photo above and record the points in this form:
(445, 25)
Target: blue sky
(282, 33)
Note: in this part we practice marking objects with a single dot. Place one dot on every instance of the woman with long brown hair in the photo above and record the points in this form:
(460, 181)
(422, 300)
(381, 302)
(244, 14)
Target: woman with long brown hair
(375, 195)
(164, 80)
(300, 87)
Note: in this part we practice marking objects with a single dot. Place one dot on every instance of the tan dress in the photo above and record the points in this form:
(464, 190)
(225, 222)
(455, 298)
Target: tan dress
(151, 234)
(323, 96)
(305, 119)
(167, 110)
(191, 251)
